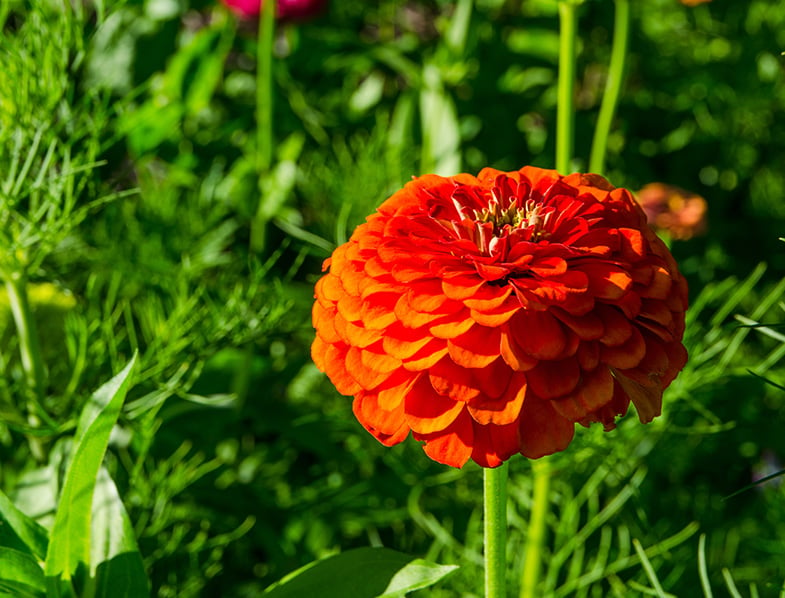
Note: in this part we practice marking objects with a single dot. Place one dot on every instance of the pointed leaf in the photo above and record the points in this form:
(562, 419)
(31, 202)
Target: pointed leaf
(69, 543)
(115, 561)
(21, 572)
(361, 573)
(19, 531)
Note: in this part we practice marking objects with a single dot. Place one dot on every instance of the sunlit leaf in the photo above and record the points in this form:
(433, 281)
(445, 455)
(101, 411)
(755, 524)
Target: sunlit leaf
(69, 543)
(361, 573)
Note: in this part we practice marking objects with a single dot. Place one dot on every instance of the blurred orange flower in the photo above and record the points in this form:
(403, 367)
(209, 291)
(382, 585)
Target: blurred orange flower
(693, 2)
(488, 315)
(681, 213)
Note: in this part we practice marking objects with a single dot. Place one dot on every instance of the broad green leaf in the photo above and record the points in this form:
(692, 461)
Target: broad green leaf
(361, 573)
(18, 531)
(21, 572)
(69, 543)
(115, 561)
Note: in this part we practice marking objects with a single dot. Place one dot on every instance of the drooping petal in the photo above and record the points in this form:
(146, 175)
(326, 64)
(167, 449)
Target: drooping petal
(453, 446)
(542, 430)
(426, 411)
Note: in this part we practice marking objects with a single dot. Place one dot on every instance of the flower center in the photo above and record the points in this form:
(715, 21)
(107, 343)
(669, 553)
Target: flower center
(532, 217)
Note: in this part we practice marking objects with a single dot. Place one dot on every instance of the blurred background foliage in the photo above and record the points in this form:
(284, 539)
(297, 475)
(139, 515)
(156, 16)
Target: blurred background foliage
(237, 460)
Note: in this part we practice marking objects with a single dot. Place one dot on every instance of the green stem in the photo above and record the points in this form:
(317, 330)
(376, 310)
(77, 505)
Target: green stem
(264, 112)
(29, 351)
(495, 537)
(29, 348)
(565, 111)
(535, 537)
(621, 35)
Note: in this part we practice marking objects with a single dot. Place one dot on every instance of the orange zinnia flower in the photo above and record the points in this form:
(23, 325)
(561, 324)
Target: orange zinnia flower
(488, 315)
(680, 213)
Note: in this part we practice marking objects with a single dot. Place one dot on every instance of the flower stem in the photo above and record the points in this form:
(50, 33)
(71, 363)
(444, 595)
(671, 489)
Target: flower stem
(495, 536)
(264, 113)
(535, 537)
(565, 111)
(621, 34)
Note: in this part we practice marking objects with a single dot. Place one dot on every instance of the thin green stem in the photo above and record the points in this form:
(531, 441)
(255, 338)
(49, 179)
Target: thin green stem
(495, 531)
(565, 110)
(29, 347)
(621, 35)
(535, 536)
(264, 113)
(29, 352)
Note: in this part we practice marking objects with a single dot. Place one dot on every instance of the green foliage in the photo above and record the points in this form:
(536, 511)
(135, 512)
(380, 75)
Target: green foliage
(362, 572)
(129, 186)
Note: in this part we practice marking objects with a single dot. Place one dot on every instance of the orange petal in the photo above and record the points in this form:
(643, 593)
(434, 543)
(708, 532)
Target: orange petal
(660, 284)
(594, 392)
(356, 364)
(329, 286)
(426, 411)
(617, 327)
(392, 392)
(350, 307)
(627, 355)
(542, 430)
(359, 336)
(513, 355)
(551, 379)
(498, 316)
(411, 318)
(453, 446)
(331, 360)
(538, 333)
(323, 322)
(588, 327)
(454, 326)
(633, 245)
(493, 298)
(462, 287)
(377, 312)
(427, 356)
(475, 348)
(606, 280)
(427, 296)
(493, 444)
(647, 399)
(588, 355)
(501, 411)
(403, 342)
(452, 381)
(494, 379)
(388, 427)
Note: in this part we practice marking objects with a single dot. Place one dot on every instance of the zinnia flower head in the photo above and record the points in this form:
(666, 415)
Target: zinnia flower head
(488, 315)
(295, 10)
(681, 213)
(693, 2)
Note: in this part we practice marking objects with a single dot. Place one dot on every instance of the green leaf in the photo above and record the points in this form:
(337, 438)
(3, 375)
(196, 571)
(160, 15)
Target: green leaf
(19, 531)
(21, 572)
(115, 561)
(69, 543)
(361, 573)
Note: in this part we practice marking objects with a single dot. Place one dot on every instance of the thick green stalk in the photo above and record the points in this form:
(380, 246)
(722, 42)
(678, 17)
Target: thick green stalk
(565, 110)
(621, 35)
(495, 530)
(535, 536)
(264, 113)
